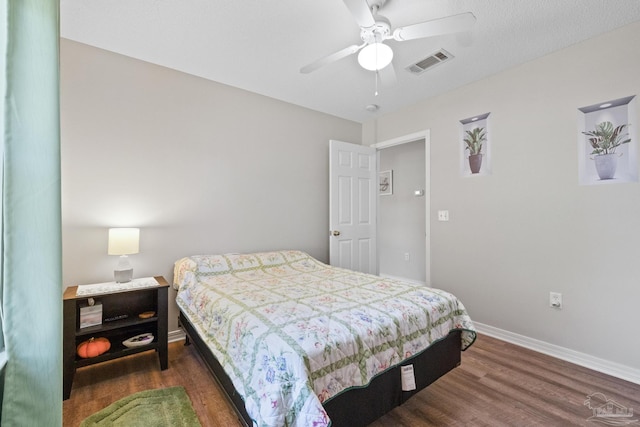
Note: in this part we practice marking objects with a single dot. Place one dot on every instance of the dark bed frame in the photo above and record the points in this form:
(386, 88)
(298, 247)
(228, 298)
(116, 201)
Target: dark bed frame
(357, 407)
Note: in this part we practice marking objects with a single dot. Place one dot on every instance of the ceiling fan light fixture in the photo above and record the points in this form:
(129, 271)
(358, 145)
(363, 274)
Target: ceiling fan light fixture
(375, 56)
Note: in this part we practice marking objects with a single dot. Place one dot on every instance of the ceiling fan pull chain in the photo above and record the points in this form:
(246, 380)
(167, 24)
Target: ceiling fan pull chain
(377, 71)
(376, 92)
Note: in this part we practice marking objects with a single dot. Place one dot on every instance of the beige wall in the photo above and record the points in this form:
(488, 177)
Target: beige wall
(200, 167)
(529, 228)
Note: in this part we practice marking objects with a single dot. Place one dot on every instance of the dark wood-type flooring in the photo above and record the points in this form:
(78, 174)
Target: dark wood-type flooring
(497, 384)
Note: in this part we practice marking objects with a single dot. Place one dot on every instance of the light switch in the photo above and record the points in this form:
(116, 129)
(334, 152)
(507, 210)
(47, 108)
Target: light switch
(443, 215)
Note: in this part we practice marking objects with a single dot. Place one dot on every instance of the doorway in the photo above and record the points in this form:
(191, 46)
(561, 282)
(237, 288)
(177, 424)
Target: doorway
(404, 212)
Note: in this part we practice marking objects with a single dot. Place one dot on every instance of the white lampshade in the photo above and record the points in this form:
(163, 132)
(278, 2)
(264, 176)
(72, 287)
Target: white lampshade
(375, 56)
(123, 241)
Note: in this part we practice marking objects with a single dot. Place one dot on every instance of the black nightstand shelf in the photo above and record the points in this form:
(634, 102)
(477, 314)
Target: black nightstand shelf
(125, 306)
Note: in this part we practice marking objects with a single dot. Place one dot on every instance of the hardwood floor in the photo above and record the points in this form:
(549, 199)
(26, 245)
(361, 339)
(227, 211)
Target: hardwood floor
(497, 384)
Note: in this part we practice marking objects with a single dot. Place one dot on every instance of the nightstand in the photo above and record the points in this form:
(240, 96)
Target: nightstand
(120, 321)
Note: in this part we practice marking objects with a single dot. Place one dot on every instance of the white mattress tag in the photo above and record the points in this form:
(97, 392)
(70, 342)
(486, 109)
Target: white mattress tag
(408, 378)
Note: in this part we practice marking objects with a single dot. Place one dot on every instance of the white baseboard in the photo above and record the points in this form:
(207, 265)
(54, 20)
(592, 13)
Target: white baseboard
(178, 335)
(601, 365)
(413, 282)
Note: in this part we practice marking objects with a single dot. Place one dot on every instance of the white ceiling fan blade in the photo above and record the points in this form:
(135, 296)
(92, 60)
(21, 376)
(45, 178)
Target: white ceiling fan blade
(331, 58)
(388, 76)
(361, 12)
(436, 27)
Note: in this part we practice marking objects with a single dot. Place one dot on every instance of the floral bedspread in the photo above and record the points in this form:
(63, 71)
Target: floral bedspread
(292, 332)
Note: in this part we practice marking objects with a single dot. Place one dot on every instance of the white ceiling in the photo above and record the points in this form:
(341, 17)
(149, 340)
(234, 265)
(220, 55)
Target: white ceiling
(260, 45)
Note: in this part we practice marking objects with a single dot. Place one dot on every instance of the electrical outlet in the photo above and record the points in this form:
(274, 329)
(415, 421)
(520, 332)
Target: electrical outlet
(443, 215)
(555, 300)
(407, 256)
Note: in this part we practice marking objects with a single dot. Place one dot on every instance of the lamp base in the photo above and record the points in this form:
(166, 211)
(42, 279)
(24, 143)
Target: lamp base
(123, 276)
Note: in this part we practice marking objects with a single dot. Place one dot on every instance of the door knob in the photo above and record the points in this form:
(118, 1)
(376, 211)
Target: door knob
(335, 233)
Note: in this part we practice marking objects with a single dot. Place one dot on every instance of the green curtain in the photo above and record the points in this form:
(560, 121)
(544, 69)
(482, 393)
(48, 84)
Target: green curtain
(30, 276)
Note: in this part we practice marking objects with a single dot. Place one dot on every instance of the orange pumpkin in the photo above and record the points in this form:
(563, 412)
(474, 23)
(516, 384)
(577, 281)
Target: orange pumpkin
(93, 347)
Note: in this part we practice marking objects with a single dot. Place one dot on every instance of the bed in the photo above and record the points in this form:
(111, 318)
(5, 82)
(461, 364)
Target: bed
(296, 342)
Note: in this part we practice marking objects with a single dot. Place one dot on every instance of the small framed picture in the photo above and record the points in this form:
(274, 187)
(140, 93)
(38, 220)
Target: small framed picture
(386, 183)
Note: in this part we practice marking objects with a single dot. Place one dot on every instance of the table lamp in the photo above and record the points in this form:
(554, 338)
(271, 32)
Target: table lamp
(123, 242)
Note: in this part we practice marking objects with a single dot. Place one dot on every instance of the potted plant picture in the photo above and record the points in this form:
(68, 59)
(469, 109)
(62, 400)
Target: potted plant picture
(473, 140)
(604, 140)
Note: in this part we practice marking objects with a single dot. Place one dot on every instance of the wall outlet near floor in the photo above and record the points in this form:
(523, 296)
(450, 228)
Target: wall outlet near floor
(407, 256)
(443, 215)
(555, 300)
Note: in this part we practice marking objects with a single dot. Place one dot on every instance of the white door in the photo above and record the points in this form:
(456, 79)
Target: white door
(353, 185)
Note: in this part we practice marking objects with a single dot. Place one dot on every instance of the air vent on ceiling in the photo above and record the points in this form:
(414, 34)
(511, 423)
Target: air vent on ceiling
(430, 61)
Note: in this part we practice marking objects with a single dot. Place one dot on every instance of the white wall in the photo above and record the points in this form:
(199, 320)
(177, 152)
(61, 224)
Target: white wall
(529, 228)
(200, 167)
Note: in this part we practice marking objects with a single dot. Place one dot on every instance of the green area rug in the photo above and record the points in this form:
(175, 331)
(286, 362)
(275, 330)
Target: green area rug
(160, 407)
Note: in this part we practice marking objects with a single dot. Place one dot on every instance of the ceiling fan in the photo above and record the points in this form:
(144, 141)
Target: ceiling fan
(375, 29)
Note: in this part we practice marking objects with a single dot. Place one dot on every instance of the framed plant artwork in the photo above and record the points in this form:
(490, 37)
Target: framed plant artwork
(475, 156)
(386, 183)
(607, 146)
